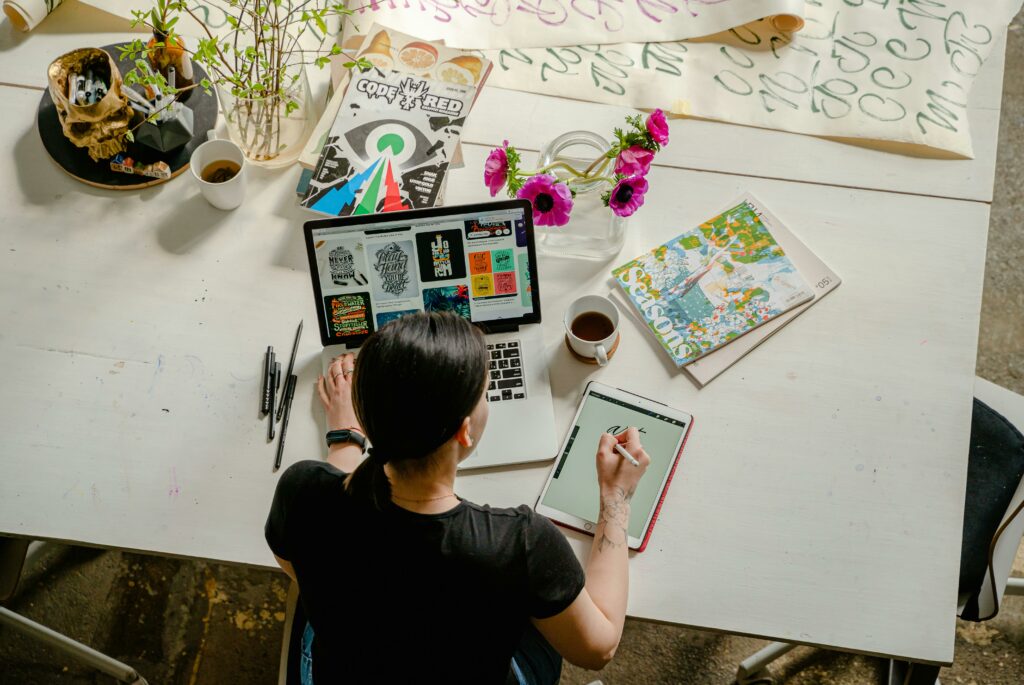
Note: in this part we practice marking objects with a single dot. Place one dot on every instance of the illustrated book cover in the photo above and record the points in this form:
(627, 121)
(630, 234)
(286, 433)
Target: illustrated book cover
(711, 285)
(390, 145)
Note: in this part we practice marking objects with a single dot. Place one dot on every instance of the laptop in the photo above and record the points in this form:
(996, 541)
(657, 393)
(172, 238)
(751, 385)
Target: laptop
(478, 261)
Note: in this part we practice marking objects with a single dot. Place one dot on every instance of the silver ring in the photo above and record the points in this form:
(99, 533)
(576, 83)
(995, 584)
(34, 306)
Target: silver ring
(348, 372)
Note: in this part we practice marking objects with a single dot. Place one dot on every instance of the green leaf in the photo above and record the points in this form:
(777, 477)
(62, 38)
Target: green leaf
(320, 23)
(129, 136)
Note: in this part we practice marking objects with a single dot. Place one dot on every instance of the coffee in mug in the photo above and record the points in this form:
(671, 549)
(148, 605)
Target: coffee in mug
(592, 326)
(220, 171)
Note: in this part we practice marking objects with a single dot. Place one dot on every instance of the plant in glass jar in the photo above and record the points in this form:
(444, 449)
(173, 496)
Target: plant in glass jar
(257, 66)
(581, 176)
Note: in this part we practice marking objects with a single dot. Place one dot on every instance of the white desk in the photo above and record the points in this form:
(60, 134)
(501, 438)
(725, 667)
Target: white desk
(820, 496)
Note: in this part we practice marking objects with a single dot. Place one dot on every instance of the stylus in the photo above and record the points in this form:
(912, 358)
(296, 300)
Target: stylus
(626, 455)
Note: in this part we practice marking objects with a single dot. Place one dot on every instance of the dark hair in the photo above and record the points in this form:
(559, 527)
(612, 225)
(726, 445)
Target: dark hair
(415, 381)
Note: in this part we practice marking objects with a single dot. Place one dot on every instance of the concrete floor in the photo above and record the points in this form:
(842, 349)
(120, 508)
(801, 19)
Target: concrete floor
(193, 623)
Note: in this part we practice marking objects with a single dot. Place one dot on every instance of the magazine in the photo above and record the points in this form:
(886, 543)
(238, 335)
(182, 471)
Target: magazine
(710, 285)
(390, 145)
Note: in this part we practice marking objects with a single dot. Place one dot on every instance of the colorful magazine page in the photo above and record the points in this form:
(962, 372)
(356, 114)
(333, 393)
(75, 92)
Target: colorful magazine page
(708, 286)
(390, 145)
(822, 279)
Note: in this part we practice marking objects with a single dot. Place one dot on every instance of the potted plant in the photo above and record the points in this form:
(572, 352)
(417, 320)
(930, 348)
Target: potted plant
(257, 66)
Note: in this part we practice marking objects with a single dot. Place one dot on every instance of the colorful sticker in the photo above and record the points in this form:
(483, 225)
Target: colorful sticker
(441, 255)
(384, 318)
(394, 279)
(502, 260)
(349, 315)
(505, 283)
(448, 298)
(483, 285)
(479, 262)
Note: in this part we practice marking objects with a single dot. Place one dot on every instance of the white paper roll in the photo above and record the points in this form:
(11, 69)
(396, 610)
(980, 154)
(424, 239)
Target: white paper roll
(26, 14)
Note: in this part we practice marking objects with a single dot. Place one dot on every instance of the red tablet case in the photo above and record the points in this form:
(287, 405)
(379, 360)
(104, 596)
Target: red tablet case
(661, 500)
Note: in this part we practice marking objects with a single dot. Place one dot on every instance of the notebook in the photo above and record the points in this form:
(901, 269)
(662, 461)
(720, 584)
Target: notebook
(710, 285)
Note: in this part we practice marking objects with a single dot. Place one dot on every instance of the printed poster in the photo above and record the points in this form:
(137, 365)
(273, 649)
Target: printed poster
(441, 255)
(394, 277)
(349, 316)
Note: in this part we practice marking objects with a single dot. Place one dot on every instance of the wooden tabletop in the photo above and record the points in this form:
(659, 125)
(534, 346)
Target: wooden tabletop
(820, 496)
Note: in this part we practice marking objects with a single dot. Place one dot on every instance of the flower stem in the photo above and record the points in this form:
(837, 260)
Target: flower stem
(592, 179)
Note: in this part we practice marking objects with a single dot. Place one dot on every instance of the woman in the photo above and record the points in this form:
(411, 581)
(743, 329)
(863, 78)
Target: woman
(403, 581)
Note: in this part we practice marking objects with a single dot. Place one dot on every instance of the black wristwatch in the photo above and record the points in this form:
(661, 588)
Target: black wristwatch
(346, 435)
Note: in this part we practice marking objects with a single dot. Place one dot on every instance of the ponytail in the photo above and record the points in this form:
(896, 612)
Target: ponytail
(369, 482)
(415, 382)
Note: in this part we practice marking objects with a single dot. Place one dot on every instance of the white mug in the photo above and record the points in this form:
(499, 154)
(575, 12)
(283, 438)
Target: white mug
(228, 194)
(592, 349)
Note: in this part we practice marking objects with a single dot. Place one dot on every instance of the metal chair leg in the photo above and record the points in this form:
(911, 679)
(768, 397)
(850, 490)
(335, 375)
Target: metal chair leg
(909, 673)
(751, 669)
(88, 655)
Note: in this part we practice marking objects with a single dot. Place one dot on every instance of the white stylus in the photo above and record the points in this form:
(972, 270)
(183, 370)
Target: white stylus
(629, 457)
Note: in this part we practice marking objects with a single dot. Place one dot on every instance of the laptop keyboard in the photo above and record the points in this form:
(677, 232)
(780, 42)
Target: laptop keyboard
(506, 372)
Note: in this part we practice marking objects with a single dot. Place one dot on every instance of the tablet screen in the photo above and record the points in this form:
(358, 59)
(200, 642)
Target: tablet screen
(573, 488)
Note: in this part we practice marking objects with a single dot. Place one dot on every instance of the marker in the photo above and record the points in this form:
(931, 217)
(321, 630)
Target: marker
(275, 379)
(291, 365)
(626, 455)
(265, 391)
(289, 393)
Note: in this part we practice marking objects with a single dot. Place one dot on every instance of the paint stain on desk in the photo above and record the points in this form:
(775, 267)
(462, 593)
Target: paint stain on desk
(174, 490)
(156, 372)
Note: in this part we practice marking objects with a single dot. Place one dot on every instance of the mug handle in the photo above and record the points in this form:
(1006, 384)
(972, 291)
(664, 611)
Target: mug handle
(601, 355)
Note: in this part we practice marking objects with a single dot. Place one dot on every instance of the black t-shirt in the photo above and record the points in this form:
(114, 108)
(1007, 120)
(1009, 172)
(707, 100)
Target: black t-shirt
(394, 596)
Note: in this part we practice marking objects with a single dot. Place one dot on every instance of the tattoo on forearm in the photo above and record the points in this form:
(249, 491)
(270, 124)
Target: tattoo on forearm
(615, 517)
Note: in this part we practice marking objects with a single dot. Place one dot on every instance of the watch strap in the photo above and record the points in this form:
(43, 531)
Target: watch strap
(346, 435)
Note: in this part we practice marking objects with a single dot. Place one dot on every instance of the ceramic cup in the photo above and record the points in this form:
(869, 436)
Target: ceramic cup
(227, 194)
(587, 347)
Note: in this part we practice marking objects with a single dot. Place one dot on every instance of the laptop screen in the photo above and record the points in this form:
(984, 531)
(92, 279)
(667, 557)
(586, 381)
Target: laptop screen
(477, 261)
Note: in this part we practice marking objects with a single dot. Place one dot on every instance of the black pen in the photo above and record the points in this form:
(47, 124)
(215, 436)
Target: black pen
(268, 367)
(275, 380)
(291, 365)
(287, 395)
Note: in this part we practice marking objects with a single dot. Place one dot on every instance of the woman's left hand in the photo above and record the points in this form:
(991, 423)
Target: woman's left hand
(336, 393)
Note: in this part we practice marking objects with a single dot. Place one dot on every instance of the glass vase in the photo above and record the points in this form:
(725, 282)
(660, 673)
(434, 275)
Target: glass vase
(271, 130)
(593, 231)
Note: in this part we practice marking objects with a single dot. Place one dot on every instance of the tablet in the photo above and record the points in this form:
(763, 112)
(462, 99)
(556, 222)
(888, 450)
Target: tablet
(571, 496)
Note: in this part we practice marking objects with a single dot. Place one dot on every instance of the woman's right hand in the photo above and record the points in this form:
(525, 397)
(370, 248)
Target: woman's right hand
(613, 470)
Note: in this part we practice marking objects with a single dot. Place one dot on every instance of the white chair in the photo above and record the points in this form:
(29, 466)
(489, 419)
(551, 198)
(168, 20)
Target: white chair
(996, 584)
(17, 555)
